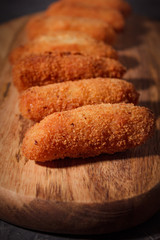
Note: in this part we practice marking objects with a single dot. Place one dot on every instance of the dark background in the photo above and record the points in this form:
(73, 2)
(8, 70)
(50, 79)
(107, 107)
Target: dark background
(10, 9)
(150, 230)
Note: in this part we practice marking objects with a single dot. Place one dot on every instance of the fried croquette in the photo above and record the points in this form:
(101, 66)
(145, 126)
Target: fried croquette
(64, 41)
(37, 102)
(42, 25)
(120, 5)
(88, 131)
(110, 16)
(54, 67)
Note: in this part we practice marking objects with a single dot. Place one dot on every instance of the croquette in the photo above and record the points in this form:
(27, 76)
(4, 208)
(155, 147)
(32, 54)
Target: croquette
(42, 25)
(37, 102)
(120, 5)
(110, 16)
(88, 131)
(64, 41)
(54, 67)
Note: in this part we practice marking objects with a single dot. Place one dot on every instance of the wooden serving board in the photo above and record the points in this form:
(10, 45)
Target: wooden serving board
(77, 196)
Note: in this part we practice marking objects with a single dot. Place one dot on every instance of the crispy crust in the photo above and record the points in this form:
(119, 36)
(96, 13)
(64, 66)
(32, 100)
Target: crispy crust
(38, 70)
(37, 102)
(67, 41)
(88, 131)
(110, 16)
(120, 5)
(42, 25)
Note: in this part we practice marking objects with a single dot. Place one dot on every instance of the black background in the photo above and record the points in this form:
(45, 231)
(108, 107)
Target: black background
(10, 9)
(150, 230)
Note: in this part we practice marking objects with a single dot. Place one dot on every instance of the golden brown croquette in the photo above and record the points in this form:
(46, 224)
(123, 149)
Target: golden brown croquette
(65, 41)
(42, 25)
(54, 67)
(88, 131)
(37, 102)
(110, 16)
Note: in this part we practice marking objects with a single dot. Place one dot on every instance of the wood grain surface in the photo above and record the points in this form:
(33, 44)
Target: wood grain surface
(77, 196)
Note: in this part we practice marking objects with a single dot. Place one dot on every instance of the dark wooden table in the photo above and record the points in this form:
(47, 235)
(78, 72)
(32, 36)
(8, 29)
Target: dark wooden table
(149, 230)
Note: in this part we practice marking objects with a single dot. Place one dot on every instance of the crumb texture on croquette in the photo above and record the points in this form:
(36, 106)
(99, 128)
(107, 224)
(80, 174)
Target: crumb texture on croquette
(53, 67)
(88, 131)
(37, 102)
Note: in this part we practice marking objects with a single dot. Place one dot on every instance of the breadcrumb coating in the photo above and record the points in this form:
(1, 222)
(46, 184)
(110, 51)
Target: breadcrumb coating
(88, 131)
(120, 5)
(54, 67)
(37, 102)
(67, 41)
(110, 16)
(42, 25)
